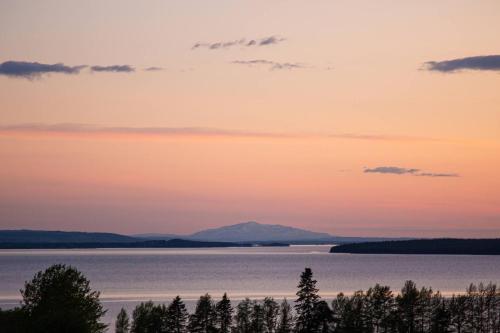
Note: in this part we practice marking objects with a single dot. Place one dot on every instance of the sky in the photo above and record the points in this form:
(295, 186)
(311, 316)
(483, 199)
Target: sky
(359, 118)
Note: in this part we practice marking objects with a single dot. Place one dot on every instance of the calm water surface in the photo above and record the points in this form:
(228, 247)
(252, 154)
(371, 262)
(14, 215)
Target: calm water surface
(127, 276)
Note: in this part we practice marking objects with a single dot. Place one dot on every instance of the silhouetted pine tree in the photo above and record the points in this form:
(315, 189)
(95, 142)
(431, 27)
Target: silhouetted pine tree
(323, 317)
(407, 304)
(257, 321)
(440, 315)
(458, 312)
(491, 298)
(306, 302)
(122, 324)
(423, 310)
(176, 316)
(356, 321)
(148, 318)
(339, 305)
(271, 310)
(379, 306)
(203, 319)
(243, 313)
(224, 313)
(285, 324)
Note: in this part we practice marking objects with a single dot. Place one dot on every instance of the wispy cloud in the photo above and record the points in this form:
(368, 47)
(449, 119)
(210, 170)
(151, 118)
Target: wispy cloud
(381, 137)
(113, 68)
(479, 63)
(68, 129)
(240, 42)
(153, 69)
(272, 65)
(269, 40)
(391, 169)
(402, 171)
(34, 70)
(431, 174)
(31, 70)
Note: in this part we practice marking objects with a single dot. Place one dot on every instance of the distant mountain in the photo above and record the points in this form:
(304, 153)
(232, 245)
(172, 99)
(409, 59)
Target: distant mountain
(248, 232)
(39, 236)
(253, 231)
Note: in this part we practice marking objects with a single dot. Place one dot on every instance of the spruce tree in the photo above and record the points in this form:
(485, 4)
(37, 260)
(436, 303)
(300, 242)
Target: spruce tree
(323, 317)
(440, 316)
(176, 316)
(380, 304)
(271, 310)
(224, 314)
(306, 303)
(423, 310)
(407, 303)
(243, 313)
(122, 324)
(203, 318)
(148, 317)
(458, 306)
(339, 305)
(258, 323)
(357, 313)
(285, 324)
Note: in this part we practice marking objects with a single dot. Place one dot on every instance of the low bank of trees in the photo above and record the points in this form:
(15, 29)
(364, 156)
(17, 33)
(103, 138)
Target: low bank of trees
(59, 300)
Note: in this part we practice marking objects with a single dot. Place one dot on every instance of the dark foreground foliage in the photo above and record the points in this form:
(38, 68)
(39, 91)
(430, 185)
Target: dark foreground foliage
(60, 300)
(379, 310)
(57, 300)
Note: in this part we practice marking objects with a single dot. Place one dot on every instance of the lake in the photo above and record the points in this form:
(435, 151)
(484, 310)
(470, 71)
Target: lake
(127, 276)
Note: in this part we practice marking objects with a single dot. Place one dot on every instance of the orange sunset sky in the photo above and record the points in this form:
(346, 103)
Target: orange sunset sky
(362, 118)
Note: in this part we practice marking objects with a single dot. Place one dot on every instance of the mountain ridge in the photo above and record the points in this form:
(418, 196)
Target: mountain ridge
(254, 231)
(246, 232)
(56, 236)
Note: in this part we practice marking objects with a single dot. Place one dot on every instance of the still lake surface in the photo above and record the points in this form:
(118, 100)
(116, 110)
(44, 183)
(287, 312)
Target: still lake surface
(126, 277)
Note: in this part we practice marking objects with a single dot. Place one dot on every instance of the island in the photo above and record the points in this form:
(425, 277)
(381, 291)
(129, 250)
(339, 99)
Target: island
(489, 246)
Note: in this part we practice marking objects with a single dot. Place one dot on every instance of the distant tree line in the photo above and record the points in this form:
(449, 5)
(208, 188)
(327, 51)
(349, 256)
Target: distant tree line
(488, 246)
(376, 310)
(59, 300)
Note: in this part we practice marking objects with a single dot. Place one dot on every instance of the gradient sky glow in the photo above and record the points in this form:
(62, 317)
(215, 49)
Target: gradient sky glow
(348, 117)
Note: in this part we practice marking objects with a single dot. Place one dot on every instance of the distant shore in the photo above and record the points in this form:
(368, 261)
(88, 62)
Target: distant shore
(449, 246)
(172, 243)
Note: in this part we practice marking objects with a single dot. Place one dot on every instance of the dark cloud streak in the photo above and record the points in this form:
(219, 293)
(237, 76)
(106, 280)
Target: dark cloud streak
(391, 170)
(479, 63)
(113, 68)
(153, 69)
(240, 42)
(273, 65)
(412, 171)
(430, 174)
(31, 70)
(34, 70)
